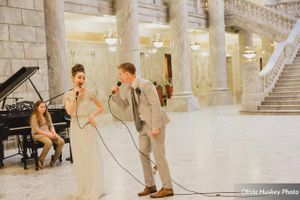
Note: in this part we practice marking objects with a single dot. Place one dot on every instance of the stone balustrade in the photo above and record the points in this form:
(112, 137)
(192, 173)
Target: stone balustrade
(148, 10)
(289, 8)
(261, 14)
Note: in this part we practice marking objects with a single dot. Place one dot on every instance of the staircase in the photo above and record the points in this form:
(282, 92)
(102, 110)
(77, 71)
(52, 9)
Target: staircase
(285, 97)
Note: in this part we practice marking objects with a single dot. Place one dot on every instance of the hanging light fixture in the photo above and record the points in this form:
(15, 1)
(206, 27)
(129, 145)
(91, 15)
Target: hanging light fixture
(110, 39)
(158, 43)
(249, 53)
(195, 46)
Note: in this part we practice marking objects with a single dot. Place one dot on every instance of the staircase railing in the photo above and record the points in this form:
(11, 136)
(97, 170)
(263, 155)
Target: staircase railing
(284, 53)
(291, 8)
(261, 14)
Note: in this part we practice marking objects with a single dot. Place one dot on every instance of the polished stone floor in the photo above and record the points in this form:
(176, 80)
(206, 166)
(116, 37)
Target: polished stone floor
(208, 150)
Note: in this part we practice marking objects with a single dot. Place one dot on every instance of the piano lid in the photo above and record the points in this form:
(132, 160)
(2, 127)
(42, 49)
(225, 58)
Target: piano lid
(17, 79)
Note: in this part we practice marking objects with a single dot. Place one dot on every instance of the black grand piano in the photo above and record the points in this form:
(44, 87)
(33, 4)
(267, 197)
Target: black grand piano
(14, 118)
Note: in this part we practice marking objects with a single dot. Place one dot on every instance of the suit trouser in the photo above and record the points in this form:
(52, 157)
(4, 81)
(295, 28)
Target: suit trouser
(157, 144)
(48, 144)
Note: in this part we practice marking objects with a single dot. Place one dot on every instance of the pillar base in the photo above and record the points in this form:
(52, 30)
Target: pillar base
(183, 103)
(219, 97)
(250, 102)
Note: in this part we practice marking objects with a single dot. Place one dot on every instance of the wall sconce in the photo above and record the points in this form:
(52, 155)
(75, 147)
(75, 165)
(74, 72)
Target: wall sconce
(249, 54)
(110, 39)
(158, 43)
(195, 46)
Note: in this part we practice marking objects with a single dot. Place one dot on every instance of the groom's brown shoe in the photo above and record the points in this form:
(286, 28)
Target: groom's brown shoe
(148, 190)
(163, 193)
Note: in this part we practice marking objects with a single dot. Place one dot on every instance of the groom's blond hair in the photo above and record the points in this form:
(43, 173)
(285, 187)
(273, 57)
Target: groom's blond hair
(127, 67)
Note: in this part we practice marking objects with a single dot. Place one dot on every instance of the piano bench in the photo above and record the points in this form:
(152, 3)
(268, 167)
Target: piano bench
(35, 145)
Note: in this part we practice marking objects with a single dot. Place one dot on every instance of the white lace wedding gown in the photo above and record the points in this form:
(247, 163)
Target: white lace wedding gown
(86, 150)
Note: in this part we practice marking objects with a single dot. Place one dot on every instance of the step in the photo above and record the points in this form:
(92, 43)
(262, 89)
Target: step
(282, 102)
(287, 89)
(269, 112)
(291, 69)
(286, 84)
(285, 93)
(297, 82)
(296, 78)
(279, 98)
(292, 66)
(279, 107)
(290, 73)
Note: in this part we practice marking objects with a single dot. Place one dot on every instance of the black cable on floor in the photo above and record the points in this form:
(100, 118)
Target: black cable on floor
(206, 194)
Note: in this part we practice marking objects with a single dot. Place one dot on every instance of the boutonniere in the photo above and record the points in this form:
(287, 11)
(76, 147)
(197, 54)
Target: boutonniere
(138, 91)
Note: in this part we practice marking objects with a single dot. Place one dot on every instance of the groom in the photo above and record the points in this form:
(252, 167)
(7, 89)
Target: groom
(150, 121)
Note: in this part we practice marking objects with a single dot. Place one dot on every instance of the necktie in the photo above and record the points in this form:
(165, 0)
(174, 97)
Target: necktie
(136, 116)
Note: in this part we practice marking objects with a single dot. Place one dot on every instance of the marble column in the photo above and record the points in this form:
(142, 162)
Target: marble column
(220, 94)
(56, 48)
(250, 96)
(245, 40)
(182, 99)
(129, 43)
(128, 32)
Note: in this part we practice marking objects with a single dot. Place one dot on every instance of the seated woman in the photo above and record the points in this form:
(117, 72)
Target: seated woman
(44, 132)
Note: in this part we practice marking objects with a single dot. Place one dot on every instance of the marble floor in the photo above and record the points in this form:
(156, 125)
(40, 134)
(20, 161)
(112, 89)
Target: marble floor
(208, 150)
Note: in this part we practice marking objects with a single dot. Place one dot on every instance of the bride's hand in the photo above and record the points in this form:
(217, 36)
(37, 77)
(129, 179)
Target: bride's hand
(92, 120)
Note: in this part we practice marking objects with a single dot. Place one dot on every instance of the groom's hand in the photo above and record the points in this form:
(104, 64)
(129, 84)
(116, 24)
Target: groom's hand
(115, 89)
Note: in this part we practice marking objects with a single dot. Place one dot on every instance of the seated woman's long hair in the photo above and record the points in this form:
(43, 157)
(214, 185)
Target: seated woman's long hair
(46, 114)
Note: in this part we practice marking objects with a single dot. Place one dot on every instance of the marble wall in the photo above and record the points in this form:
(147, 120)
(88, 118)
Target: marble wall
(199, 62)
(100, 65)
(22, 43)
(153, 66)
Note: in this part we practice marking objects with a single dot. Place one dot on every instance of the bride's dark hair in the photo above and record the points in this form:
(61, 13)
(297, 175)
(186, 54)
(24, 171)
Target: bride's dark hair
(77, 68)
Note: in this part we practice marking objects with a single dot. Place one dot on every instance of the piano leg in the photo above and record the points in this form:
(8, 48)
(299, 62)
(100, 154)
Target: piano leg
(1, 154)
(71, 156)
(24, 151)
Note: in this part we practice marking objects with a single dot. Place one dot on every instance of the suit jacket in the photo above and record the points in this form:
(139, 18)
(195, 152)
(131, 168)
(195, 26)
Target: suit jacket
(148, 103)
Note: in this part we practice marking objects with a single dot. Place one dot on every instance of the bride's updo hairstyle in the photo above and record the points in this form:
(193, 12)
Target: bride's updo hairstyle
(77, 68)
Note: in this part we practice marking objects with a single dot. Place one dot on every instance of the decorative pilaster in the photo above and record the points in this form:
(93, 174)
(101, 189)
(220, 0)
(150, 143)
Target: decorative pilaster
(267, 50)
(245, 40)
(250, 97)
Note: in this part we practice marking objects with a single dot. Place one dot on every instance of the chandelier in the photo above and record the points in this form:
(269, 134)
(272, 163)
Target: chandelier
(249, 53)
(195, 46)
(110, 39)
(158, 43)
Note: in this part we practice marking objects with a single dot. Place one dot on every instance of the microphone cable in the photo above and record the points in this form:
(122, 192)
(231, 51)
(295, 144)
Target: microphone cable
(105, 145)
(192, 192)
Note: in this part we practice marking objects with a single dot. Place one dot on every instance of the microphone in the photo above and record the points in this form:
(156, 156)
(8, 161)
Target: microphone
(77, 93)
(118, 84)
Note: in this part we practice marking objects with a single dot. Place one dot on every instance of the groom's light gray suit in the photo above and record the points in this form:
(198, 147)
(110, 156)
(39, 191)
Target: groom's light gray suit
(152, 116)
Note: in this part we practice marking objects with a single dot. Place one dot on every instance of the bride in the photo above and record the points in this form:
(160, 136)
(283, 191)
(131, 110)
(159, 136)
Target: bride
(79, 104)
